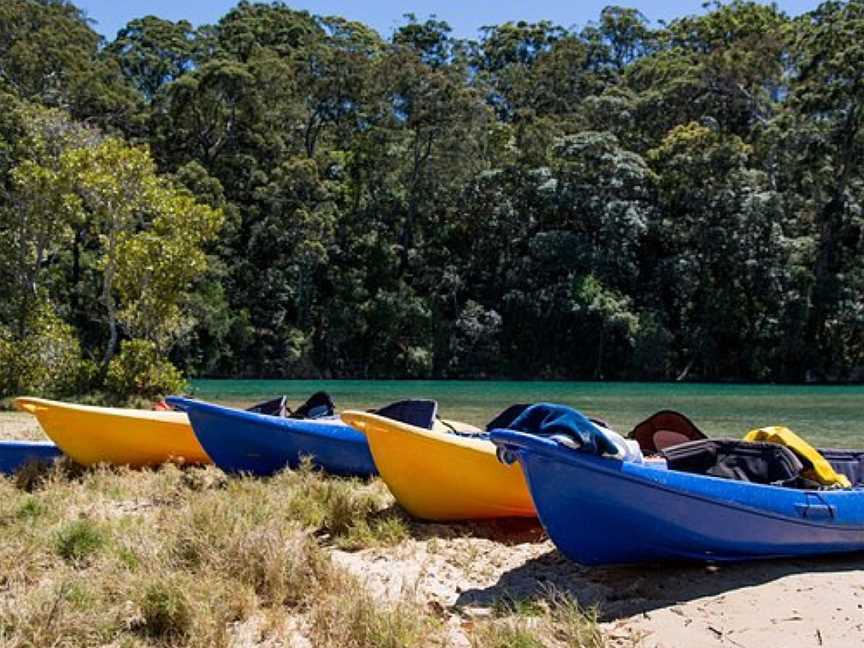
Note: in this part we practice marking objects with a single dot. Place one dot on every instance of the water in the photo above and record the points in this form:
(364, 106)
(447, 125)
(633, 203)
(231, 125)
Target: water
(825, 415)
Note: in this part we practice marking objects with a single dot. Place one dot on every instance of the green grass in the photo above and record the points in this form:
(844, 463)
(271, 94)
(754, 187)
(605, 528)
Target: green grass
(77, 542)
(166, 613)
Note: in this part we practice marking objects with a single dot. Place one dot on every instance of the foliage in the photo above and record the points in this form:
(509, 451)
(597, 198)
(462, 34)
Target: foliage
(139, 370)
(620, 200)
(47, 360)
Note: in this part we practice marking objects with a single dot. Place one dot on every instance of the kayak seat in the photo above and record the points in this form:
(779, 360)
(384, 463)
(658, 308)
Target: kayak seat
(318, 405)
(816, 468)
(275, 407)
(664, 429)
(755, 462)
(846, 462)
(416, 412)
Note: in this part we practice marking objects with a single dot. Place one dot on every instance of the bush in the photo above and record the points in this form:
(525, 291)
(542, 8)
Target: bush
(138, 371)
(46, 361)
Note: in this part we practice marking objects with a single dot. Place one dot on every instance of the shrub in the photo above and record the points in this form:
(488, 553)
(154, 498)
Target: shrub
(138, 371)
(45, 361)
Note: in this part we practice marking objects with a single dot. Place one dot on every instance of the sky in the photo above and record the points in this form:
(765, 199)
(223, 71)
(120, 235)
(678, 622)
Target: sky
(465, 16)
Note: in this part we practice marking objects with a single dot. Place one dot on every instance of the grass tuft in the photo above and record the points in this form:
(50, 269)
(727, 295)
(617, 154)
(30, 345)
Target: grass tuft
(79, 541)
(32, 475)
(519, 623)
(350, 618)
(505, 634)
(165, 612)
(31, 509)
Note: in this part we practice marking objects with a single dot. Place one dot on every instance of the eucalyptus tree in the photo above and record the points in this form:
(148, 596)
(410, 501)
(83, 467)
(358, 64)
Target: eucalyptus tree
(824, 147)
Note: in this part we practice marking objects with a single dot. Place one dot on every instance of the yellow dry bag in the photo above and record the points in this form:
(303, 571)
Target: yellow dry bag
(821, 472)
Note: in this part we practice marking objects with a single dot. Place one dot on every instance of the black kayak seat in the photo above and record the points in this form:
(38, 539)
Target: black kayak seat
(664, 429)
(754, 462)
(846, 462)
(318, 405)
(274, 407)
(417, 412)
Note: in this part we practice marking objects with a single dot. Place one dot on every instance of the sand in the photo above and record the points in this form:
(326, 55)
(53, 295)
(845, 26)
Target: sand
(20, 425)
(463, 569)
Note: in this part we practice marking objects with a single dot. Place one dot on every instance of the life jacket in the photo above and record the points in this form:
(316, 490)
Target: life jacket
(816, 467)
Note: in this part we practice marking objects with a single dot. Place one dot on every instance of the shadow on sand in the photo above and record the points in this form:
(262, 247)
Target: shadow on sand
(505, 531)
(624, 591)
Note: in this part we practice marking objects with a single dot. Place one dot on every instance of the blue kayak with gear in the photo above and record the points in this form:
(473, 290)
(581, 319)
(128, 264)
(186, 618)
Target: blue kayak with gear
(603, 502)
(270, 436)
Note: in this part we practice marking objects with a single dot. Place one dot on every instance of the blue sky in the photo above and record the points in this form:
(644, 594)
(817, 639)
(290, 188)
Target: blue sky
(464, 16)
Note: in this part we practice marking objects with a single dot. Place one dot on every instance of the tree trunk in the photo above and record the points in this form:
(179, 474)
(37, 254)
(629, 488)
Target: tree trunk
(108, 301)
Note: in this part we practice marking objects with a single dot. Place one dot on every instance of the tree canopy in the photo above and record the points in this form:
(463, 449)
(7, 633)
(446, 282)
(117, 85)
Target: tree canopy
(288, 195)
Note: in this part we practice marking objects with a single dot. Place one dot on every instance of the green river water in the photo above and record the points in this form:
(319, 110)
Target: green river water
(825, 415)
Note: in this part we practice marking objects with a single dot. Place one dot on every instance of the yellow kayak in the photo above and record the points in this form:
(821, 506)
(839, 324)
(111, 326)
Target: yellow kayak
(131, 437)
(438, 475)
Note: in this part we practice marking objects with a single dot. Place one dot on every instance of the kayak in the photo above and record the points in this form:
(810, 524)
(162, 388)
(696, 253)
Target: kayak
(91, 435)
(442, 474)
(241, 441)
(602, 511)
(16, 454)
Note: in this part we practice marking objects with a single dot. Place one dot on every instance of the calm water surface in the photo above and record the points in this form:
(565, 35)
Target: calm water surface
(828, 415)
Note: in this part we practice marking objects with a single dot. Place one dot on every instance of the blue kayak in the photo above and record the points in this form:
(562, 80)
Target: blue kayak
(15, 454)
(599, 510)
(240, 441)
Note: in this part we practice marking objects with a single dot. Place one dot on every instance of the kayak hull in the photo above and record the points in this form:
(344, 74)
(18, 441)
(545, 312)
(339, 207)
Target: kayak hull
(601, 511)
(16, 454)
(91, 435)
(435, 475)
(247, 442)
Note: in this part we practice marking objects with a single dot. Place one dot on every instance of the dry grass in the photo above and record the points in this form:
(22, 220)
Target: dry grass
(553, 620)
(190, 558)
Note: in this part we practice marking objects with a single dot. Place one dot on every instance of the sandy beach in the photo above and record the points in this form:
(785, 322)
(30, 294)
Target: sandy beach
(464, 569)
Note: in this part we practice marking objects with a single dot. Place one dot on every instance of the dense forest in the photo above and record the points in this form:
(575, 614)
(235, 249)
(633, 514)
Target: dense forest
(289, 195)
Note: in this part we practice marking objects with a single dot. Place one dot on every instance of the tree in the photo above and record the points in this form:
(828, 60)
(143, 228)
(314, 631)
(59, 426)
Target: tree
(824, 149)
(152, 52)
(149, 236)
(41, 210)
(50, 55)
(725, 267)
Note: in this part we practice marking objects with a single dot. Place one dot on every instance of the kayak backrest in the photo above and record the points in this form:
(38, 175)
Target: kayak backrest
(664, 429)
(318, 405)
(817, 468)
(755, 462)
(417, 412)
(846, 462)
(274, 407)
